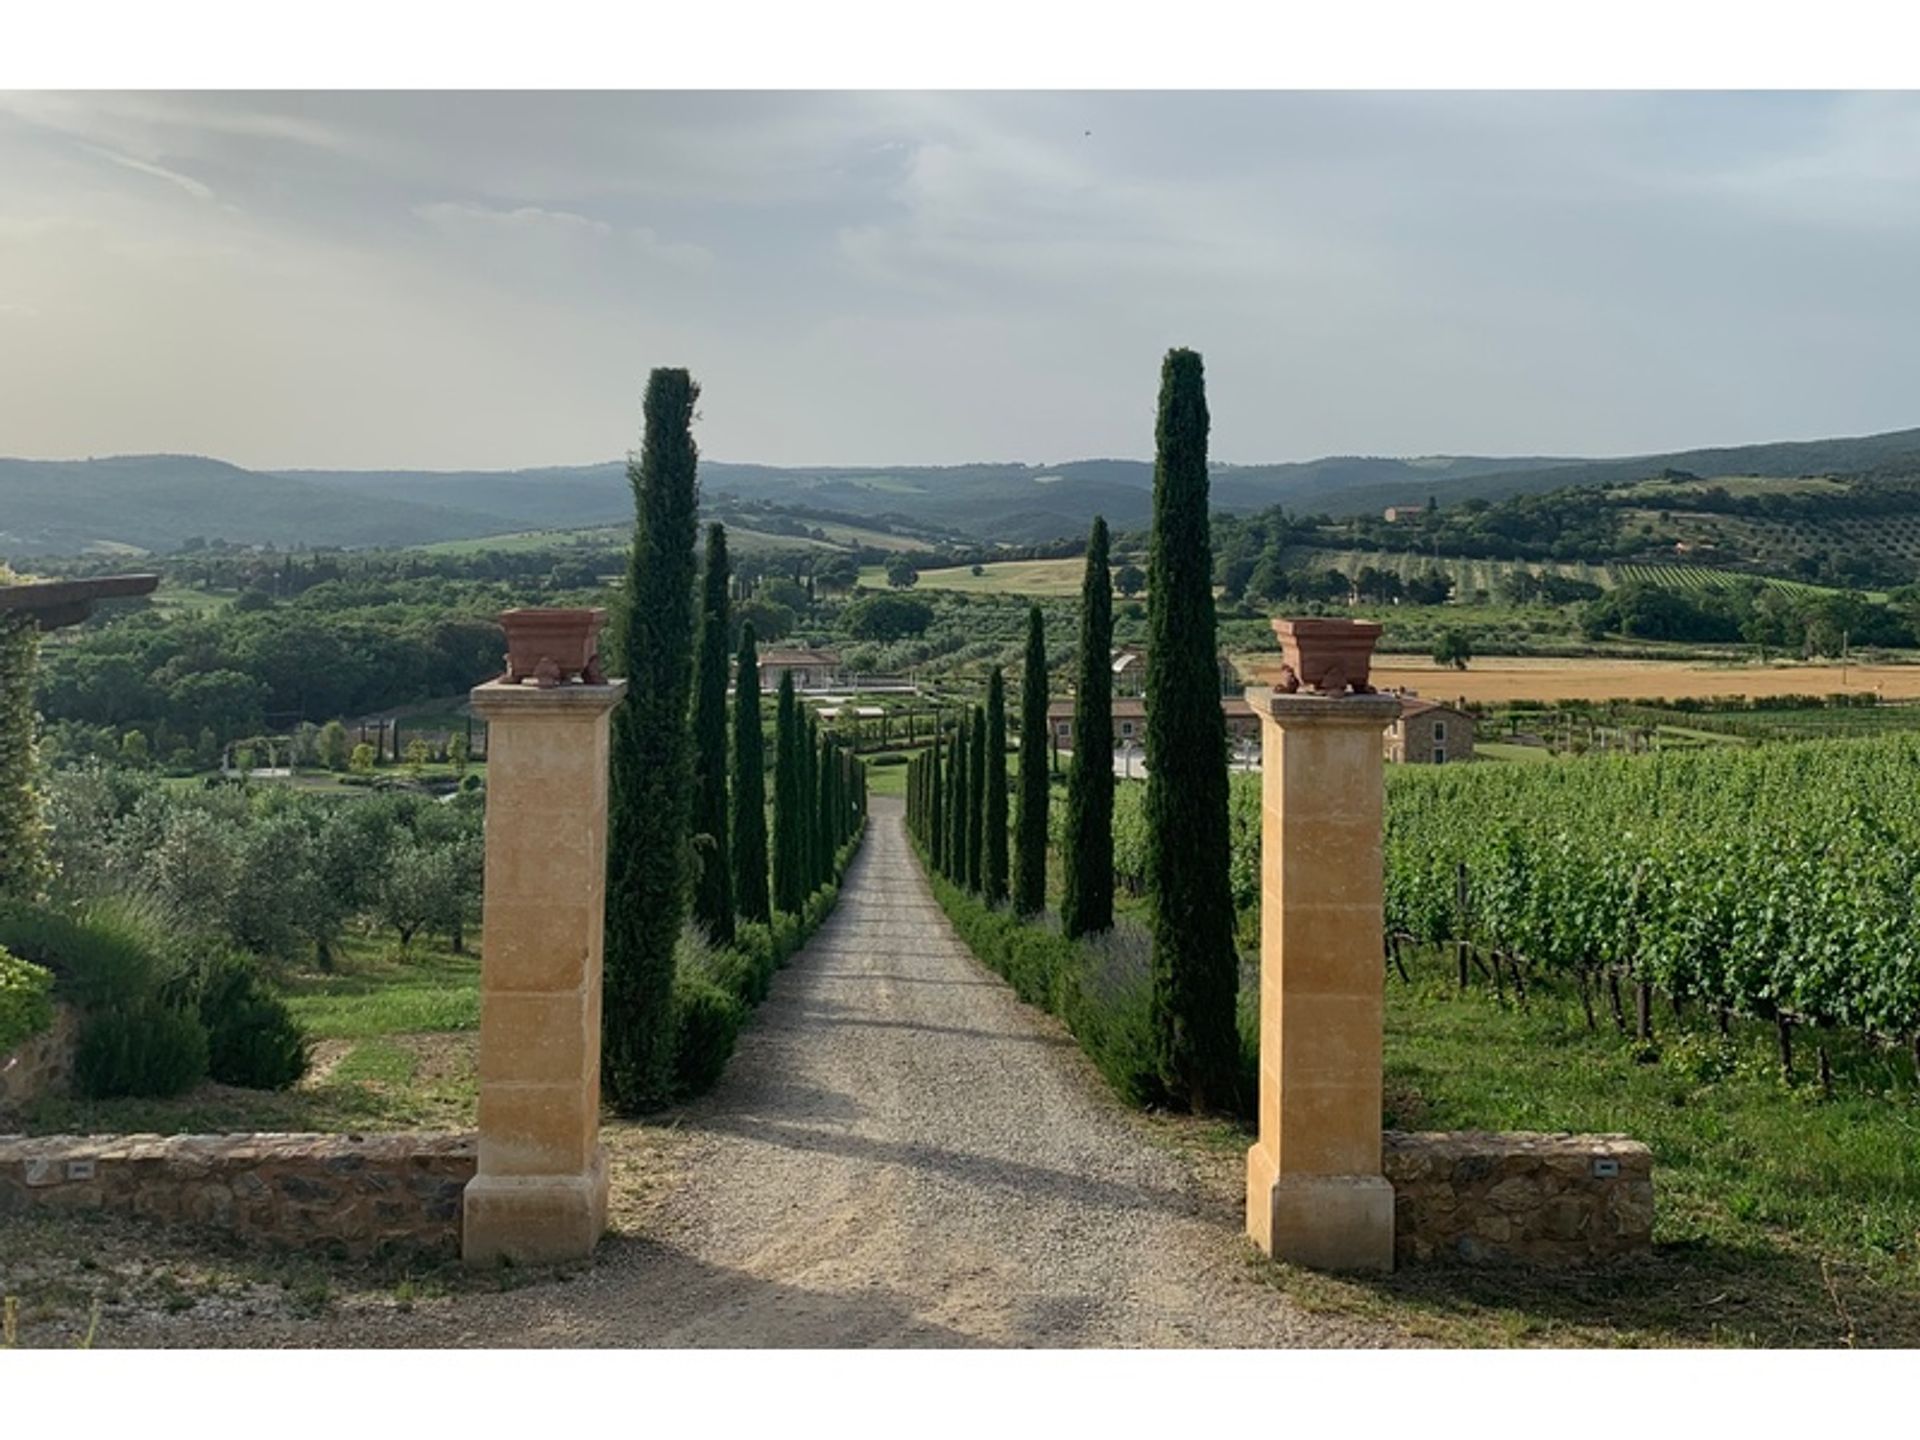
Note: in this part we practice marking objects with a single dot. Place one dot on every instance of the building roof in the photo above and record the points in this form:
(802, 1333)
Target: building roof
(799, 657)
(1412, 705)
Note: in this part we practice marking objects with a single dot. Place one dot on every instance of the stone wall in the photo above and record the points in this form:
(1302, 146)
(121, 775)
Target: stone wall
(1489, 1198)
(340, 1194)
(42, 1065)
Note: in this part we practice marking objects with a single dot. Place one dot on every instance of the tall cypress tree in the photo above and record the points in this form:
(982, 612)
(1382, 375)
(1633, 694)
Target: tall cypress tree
(977, 802)
(936, 807)
(1196, 971)
(1086, 891)
(713, 889)
(749, 824)
(809, 798)
(994, 823)
(958, 794)
(650, 774)
(1030, 848)
(789, 883)
(825, 822)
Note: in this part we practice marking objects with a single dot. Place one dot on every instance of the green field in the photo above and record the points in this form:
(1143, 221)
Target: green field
(1002, 577)
(1469, 575)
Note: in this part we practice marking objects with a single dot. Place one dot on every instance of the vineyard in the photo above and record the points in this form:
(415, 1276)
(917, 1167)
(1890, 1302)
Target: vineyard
(1703, 578)
(1780, 884)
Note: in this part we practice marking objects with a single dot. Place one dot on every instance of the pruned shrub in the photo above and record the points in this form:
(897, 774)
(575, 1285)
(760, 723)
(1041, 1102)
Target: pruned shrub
(706, 1023)
(146, 1049)
(252, 1038)
(26, 1000)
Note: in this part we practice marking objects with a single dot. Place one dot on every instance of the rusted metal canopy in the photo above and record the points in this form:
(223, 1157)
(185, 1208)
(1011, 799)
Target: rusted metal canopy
(54, 603)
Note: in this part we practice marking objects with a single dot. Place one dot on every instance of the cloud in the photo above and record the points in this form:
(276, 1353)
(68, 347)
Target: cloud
(187, 183)
(459, 218)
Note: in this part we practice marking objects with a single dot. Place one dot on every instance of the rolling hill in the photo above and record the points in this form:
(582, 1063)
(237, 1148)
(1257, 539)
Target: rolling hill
(153, 502)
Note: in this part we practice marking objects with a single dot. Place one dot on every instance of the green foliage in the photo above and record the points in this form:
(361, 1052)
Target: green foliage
(335, 749)
(976, 870)
(23, 865)
(145, 1048)
(749, 818)
(713, 884)
(886, 617)
(901, 572)
(1030, 849)
(1086, 898)
(26, 1000)
(994, 819)
(252, 1038)
(1195, 966)
(706, 1023)
(789, 820)
(651, 767)
(1453, 648)
(362, 759)
(114, 951)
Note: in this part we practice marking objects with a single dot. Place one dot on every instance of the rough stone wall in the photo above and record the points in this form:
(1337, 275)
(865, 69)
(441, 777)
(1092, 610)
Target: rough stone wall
(42, 1065)
(1491, 1198)
(342, 1194)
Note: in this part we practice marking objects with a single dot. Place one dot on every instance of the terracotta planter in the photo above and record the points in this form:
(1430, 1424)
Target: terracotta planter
(548, 647)
(1329, 657)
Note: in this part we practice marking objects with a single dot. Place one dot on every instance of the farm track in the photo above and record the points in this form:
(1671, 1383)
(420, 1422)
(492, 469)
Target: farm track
(900, 1154)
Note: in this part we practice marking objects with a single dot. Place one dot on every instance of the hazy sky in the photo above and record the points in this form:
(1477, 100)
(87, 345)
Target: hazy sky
(454, 280)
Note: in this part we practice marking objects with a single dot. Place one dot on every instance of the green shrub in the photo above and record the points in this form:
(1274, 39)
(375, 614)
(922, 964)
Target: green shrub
(115, 952)
(26, 1000)
(887, 757)
(252, 1038)
(145, 1048)
(706, 1022)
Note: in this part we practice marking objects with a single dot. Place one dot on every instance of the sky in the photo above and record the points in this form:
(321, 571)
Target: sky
(473, 280)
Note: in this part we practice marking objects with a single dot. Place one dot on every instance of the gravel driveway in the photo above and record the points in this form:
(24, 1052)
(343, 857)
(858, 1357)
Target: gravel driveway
(900, 1154)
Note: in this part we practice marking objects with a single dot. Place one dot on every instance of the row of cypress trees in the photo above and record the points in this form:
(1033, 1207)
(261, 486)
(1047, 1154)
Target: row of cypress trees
(687, 820)
(954, 787)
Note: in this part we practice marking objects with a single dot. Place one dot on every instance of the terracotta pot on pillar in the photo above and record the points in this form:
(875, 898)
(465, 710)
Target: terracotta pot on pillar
(1315, 1194)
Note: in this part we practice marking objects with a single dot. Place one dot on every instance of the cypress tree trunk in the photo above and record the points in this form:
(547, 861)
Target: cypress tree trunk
(995, 843)
(977, 803)
(957, 793)
(713, 890)
(936, 810)
(650, 775)
(1086, 895)
(1030, 853)
(1195, 967)
(749, 786)
(788, 887)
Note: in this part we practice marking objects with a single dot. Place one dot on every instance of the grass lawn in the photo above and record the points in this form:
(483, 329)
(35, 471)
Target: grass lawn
(1780, 1218)
(1002, 577)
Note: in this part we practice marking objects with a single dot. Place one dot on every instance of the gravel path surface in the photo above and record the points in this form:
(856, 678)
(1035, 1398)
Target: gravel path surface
(900, 1154)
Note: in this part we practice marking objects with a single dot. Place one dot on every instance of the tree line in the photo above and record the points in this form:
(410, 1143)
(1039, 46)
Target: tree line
(689, 837)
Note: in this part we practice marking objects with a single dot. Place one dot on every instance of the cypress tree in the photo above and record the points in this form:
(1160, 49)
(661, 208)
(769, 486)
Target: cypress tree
(825, 821)
(809, 802)
(713, 889)
(995, 822)
(1196, 971)
(749, 826)
(977, 803)
(650, 773)
(1086, 892)
(936, 807)
(1030, 849)
(957, 793)
(789, 886)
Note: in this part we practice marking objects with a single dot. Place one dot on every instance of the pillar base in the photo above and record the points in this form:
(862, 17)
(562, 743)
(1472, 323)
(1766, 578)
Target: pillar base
(1324, 1222)
(534, 1219)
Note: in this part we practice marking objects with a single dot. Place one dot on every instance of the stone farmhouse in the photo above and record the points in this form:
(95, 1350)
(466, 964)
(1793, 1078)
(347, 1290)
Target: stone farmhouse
(1429, 733)
(1130, 719)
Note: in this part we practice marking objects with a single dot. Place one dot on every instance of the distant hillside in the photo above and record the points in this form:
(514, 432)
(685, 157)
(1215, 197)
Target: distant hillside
(156, 501)
(153, 502)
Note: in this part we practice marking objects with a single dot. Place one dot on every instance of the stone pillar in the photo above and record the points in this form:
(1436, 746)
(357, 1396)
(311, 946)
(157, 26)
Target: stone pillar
(1315, 1194)
(540, 1193)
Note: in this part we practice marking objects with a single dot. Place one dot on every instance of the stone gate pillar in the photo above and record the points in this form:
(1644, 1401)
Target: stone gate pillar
(1315, 1194)
(540, 1192)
